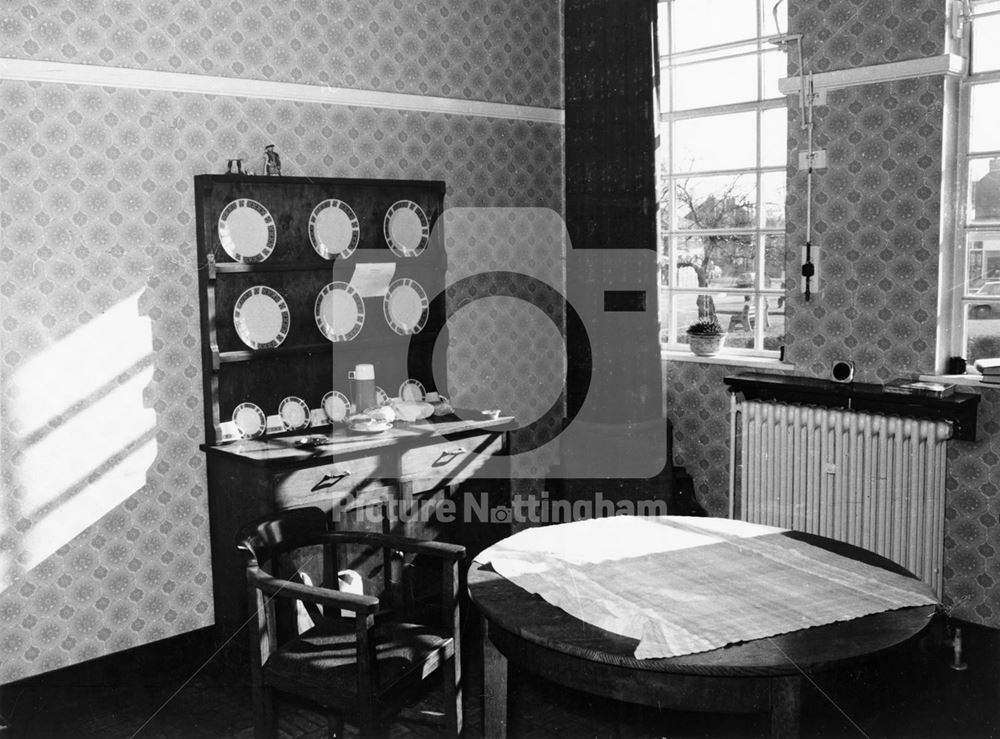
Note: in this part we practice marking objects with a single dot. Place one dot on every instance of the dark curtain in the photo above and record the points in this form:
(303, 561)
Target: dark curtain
(610, 58)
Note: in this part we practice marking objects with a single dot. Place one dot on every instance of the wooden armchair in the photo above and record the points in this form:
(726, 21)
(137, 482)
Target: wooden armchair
(365, 666)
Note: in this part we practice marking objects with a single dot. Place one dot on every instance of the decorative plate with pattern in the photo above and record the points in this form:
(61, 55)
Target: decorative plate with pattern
(334, 229)
(336, 406)
(406, 228)
(382, 397)
(247, 231)
(411, 390)
(249, 420)
(405, 306)
(339, 311)
(261, 317)
(294, 413)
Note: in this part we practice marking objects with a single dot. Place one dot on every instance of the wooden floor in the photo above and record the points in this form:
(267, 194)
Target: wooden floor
(158, 694)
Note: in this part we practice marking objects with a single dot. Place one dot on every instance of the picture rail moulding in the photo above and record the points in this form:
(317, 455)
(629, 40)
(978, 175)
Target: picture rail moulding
(30, 70)
(944, 64)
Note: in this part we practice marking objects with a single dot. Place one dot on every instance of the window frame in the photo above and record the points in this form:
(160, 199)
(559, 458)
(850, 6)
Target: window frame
(964, 228)
(760, 294)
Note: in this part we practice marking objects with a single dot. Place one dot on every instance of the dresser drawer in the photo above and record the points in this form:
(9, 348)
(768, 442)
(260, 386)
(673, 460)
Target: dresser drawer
(327, 485)
(452, 461)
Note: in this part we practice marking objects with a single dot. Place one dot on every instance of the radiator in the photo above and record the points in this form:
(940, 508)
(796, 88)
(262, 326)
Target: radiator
(871, 480)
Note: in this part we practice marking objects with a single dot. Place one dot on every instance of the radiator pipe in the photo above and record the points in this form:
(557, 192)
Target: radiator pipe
(733, 408)
(957, 663)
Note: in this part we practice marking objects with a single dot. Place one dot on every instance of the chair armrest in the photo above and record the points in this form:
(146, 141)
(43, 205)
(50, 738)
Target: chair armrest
(441, 550)
(310, 593)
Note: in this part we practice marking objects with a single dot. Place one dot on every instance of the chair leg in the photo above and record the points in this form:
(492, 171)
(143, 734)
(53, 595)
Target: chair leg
(368, 722)
(334, 726)
(452, 675)
(265, 720)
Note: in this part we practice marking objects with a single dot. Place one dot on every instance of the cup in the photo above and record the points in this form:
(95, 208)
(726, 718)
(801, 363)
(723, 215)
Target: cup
(362, 379)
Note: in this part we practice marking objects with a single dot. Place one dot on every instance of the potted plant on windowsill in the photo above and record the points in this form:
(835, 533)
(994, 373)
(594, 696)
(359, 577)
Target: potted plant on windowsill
(705, 337)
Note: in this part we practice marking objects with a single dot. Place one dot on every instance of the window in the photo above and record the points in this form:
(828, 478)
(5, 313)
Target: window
(978, 266)
(723, 149)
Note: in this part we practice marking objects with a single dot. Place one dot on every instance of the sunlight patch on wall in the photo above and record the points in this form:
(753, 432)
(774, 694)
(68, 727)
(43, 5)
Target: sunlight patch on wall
(49, 384)
(83, 435)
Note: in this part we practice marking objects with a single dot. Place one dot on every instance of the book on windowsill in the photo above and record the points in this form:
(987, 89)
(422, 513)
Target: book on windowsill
(988, 366)
(908, 386)
(990, 379)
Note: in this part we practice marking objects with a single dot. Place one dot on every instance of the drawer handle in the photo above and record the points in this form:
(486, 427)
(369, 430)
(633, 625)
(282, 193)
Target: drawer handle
(449, 454)
(329, 480)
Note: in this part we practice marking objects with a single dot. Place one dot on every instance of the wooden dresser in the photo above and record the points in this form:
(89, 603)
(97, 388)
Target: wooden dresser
(395, 482)
(288, 272)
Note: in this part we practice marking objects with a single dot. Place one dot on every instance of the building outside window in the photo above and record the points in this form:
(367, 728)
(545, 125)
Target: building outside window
(723, 151)
(978, 333)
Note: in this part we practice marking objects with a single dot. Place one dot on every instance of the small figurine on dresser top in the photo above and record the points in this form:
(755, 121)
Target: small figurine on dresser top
(272, 162)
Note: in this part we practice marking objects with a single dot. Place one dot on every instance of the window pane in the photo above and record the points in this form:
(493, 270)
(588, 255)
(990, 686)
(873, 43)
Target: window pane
(772, 199)
(984, 132)
(771, 25)
(983, 261)
(725, 201)
(774, 261)
(698, 23)
(715, 142)
(738, 315)
(774, 137)
(692, 308)
(774, 329)
(984, 189)
(717, 82)
(982, 330)
(775, 68)
(985, 50)
(722, 260)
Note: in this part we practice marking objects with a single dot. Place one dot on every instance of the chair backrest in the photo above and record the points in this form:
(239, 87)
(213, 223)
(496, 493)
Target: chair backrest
(271, 543)
(281, 532)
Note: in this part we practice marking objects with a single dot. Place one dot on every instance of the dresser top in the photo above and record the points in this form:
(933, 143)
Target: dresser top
(288, 450)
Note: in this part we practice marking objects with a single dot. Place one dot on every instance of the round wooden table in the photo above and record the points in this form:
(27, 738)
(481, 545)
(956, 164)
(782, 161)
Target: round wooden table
(761, 676)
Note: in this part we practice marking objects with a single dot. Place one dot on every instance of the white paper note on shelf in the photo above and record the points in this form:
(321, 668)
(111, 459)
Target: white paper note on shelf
(372, 280)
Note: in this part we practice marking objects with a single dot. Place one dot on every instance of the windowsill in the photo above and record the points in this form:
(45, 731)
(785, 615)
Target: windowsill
(963, 380)
(737, 360)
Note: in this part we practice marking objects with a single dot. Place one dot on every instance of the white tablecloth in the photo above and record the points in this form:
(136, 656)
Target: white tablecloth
(682, 585)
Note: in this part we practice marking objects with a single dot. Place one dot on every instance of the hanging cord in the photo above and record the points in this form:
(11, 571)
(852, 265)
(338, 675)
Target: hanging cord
(808, 268)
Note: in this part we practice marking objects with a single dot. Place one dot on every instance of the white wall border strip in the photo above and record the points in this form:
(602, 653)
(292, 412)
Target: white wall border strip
(30, 70)
(944, 64)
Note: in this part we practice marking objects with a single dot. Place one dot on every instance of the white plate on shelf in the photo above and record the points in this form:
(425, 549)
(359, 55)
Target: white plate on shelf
(406, 228)
(339, 312)
(336, 406)
(405, 306)
(411, 390)
(249, 420)
(261, 317)
(334, 229)
(294, 413)
(247, 231)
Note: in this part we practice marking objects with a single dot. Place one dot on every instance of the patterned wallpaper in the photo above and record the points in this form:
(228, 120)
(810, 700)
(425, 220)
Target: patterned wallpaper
(876, 211)
(839, 34)
(506, 52)
(104, 535)
(876, 228)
